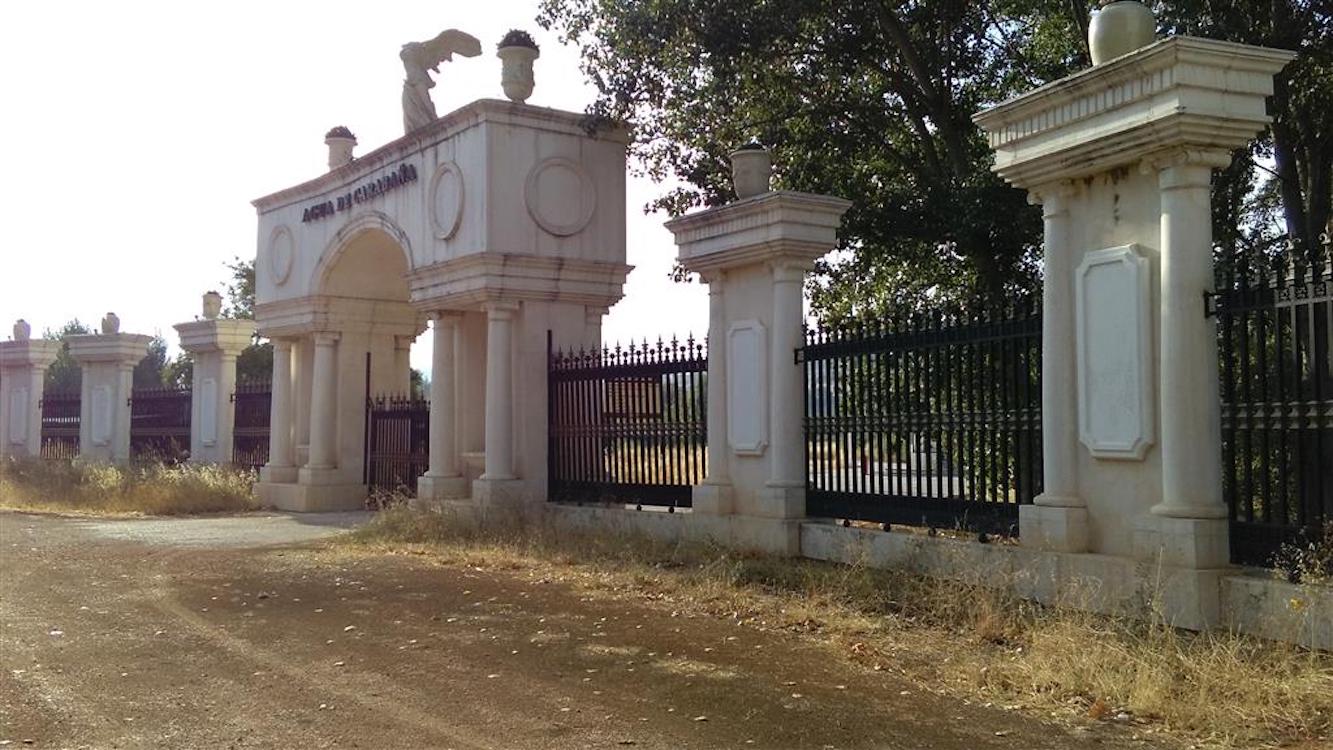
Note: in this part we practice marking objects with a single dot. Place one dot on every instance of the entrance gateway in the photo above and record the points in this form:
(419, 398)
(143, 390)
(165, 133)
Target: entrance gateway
(499, 222)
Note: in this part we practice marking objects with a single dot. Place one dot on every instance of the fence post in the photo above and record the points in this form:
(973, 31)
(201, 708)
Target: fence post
(108, 361)
(215, 344)
(756, 253)
(23, 364)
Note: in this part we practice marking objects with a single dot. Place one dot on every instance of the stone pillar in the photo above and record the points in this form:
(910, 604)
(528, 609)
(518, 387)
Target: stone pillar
(497, 483)
(23, 364)
(108, 361)
(302, 364)
(402, 363)
(754, 254)
(323, 405)
(592, 327)
(784, 492)
(215, 344)
(280, 467)
(1057, 518)
(713, 496)
(1191, 515)
(443, 479)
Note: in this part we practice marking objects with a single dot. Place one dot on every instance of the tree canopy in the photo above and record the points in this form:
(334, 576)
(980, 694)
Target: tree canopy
(873, 101)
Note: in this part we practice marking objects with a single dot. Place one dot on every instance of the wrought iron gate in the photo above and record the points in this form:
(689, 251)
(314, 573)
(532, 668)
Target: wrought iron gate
(60, 424)
(936, 422)
(252, 403)
(627, 424)
(397, 442)
(160, 424)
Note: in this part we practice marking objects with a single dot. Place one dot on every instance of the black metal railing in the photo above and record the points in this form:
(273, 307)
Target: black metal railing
(397, 442)
(933, 422)
(60, 424)
(1275, 336)
(627, 424)
(252, 403)
(160, 424)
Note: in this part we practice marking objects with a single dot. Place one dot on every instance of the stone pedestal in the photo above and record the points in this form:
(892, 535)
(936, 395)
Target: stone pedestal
(23, 367)
(754, 255)
(108, 361)
(1120, 158)
(215, 345)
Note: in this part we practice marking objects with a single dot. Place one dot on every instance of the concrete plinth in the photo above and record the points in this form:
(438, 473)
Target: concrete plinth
(498, 492)
(442, 488)
(1055, 528)
(1200, 543)
(306, 498)
(712, 499)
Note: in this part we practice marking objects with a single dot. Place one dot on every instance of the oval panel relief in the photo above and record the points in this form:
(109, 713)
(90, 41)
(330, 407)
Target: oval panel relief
(560, 196)
(281, 253)
(446, 200)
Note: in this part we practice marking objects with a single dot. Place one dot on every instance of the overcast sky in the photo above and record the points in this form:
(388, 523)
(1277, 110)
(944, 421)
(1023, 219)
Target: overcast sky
(135, 135)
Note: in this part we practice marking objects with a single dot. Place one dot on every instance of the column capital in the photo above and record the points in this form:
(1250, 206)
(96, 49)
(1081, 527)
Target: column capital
(282, 344)
(1053, 197)
(326, 338)
(1184, 167)
(789, 270)
(403, 342)
(445, 317)
(500, 310)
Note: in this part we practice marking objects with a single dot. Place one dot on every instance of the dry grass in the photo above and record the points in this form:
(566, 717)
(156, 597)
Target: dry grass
(1206, 690)
(150, 489)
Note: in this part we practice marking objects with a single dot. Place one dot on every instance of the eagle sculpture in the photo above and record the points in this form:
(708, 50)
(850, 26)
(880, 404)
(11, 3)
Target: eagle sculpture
(419, 58)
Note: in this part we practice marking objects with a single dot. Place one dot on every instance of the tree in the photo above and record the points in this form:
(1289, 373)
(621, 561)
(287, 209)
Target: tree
(64, 374)
(149, 372)
(867, 100)
(873, 101)
(255, 362)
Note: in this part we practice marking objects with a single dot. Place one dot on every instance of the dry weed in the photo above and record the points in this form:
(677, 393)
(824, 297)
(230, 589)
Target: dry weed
(150, 489)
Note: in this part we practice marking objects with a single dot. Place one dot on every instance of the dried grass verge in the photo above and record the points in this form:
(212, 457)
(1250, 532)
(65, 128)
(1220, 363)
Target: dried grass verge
(1219, 689)
(148, 489)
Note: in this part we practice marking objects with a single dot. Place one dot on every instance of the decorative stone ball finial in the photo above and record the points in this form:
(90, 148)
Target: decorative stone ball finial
(1118, 28)
(212, 305)
(340, 142)
(22, 331)
(516, 52)
(751, 170)
(111, 323)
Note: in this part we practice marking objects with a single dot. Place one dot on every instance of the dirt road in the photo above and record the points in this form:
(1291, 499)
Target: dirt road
(223, 633)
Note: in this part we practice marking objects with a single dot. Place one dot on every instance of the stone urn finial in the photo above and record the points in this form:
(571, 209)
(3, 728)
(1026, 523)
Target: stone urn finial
(111, 323)
(212, 305)
(22, 331)
(751, 170)
(516, 52)
(340, 142)
(1118, 28)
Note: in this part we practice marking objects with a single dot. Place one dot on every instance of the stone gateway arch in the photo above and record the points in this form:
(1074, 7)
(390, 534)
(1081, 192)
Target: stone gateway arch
(499, 222)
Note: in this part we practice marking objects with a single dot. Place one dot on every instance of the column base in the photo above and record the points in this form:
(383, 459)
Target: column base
(780, 501)
(442, 488)
(497, 492)
(773, 536)
(306, 498)
(1052, 527)
(1058, 501)
(277, 474)
(1192, 543)
(712, 499)
(1190, 511)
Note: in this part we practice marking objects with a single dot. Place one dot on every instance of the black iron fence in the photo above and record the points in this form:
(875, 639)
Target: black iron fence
(1275, 334)
(933, 422)
(627, 424)
(252, 403)
(60, 424)
(160, 424)
(397, 442)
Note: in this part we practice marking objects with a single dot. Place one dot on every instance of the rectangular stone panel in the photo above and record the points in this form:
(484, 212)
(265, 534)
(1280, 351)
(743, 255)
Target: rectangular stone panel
(747, 387)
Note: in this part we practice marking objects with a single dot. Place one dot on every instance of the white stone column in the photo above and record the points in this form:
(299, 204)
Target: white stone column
(714, 495)
(1058, 517)
(402, 363)
(499, 392)
(786, 406)
(108, 362)
(280, 467)
(592, 327)
(324, 402)
(23, 365)
(443, 479)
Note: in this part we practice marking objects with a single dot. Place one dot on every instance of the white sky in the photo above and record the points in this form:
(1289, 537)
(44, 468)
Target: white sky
(134, 135)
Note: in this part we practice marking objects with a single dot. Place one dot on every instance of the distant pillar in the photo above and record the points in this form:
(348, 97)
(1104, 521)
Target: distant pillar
(280, 468)
(215, 344)
(498, 484)
(324, 404)
(23, 365)
(443, 479)
(108, 361)
(755, 254)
